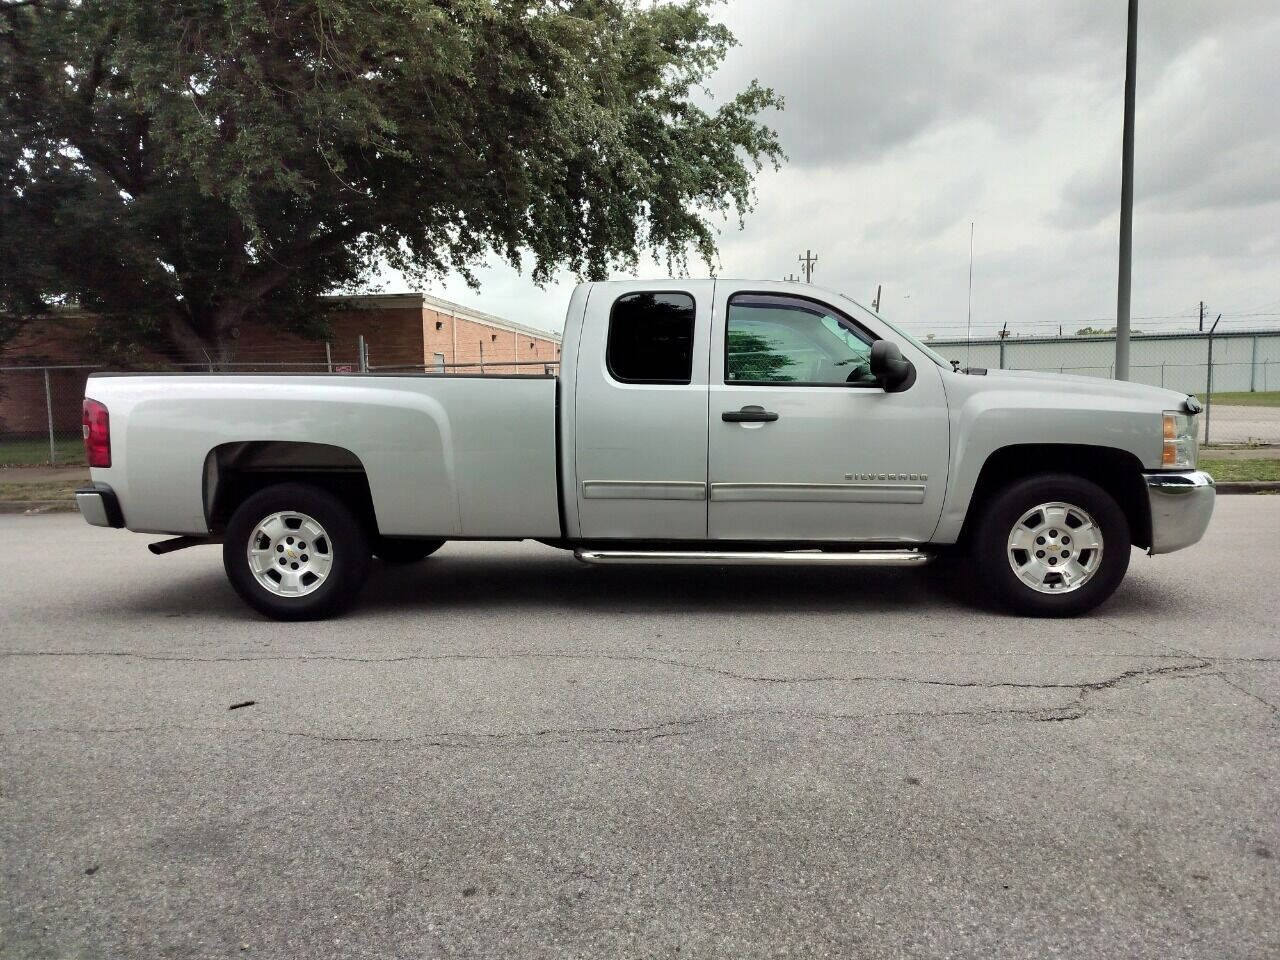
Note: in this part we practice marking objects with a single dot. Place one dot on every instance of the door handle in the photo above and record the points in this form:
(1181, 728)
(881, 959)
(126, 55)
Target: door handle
(749, 415)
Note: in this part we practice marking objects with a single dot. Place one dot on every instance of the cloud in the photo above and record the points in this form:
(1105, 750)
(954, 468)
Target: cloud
(864, 78)
(906, 121)
(1207, 132)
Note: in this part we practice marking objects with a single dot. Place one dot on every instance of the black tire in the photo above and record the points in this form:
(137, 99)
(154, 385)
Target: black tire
(1004, 511)
(345, 541)
(404, 549)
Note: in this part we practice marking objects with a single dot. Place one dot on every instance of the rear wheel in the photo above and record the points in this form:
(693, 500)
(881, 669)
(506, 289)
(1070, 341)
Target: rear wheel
(1052, 545)
(295, 552)
(404, 549)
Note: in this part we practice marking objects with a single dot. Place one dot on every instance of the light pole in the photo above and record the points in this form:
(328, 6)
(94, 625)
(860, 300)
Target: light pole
(1126, 199)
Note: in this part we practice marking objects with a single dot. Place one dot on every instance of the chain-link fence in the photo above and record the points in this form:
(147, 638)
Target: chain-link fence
(40, 414)
(1226, 371)
(40, 403)
(1241, 361)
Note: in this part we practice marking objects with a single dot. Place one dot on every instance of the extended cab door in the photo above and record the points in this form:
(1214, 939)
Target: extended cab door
(641, 411)
(803, 443)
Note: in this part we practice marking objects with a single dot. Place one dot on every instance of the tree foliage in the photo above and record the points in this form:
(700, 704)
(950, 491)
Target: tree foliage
(758, 359)
(188, 165)
(1099, 331)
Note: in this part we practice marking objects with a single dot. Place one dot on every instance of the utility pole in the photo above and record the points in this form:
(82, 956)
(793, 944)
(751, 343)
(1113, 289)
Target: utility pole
(1208, 392)
(808, 260)
(875, 304)
(1202, 316)
(1126, 199)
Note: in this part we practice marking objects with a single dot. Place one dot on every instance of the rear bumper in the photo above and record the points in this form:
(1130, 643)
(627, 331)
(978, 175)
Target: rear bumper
(99, 505)
(1181, 505)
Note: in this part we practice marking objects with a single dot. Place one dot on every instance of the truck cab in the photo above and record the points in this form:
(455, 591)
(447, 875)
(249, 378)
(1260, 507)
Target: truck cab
(748, 413)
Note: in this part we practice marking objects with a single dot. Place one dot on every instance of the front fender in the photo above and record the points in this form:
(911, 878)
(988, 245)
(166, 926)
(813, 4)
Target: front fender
(988, 420)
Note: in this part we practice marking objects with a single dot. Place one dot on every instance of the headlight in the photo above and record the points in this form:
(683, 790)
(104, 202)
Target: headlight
(1181, 444)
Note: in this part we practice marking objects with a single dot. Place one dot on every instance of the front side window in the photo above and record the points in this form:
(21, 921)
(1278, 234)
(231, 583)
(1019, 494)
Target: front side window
(791, 340)
(651, 338)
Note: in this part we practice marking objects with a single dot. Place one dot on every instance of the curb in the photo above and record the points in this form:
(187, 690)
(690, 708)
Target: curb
(37, 506)
(1248, 486)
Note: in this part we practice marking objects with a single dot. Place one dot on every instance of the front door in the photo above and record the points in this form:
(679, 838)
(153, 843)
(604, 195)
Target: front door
(804, 445)
(641, 451)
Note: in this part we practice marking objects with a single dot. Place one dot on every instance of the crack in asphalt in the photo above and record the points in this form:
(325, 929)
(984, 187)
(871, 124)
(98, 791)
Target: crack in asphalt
(1076, 709)
(736, 650)
(663, 661)
(1248, 693)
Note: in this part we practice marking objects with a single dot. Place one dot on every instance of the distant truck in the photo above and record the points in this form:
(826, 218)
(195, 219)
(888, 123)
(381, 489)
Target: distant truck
(693, 421)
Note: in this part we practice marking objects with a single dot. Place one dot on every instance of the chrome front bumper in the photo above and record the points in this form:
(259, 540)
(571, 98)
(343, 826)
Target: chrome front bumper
(1181, 505)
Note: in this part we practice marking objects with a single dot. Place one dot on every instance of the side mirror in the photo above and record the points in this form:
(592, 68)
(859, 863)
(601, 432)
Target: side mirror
(888, 366)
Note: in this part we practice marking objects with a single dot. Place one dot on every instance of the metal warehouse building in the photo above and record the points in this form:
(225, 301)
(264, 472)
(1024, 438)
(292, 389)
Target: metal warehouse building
(1242, 360)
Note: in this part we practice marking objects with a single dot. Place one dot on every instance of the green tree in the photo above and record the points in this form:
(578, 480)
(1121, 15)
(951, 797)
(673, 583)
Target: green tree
(757, 358)
(1099, 331)
(186, 166)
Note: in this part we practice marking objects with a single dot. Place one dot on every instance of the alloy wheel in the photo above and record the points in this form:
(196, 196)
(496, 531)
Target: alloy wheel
(290, 554)
(1055, 547)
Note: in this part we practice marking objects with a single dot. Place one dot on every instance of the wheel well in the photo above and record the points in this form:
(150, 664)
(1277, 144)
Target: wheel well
(1116, 471)
(235, 471)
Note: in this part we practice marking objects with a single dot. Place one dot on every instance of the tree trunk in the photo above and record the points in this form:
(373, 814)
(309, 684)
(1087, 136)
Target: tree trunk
(225, 319)
(185, 339)
(210, 342)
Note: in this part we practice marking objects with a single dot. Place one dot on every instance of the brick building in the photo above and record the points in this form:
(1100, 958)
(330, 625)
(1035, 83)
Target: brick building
(409, 331)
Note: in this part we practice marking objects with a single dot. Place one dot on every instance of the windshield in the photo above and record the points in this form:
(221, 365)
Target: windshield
(936, 358)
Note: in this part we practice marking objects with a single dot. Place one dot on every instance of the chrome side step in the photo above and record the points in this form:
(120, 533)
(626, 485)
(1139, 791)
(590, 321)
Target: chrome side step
(865, 558)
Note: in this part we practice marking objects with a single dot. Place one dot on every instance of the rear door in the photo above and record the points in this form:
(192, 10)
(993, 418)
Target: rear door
(804, 444)
(641, 411)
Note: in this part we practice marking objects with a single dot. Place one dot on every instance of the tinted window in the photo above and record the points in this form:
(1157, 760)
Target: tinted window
(782, 339)
(651, 338)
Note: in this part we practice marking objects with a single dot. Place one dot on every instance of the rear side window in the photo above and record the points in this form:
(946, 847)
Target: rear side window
(651, 338)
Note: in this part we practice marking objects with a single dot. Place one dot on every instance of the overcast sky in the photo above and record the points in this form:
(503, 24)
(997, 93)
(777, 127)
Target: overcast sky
(906, 120)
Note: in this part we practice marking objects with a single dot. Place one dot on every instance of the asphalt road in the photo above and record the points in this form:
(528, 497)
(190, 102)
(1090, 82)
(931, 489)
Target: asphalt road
(501, 754)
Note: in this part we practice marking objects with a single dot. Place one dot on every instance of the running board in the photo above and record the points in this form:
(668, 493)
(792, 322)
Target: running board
(865, 558)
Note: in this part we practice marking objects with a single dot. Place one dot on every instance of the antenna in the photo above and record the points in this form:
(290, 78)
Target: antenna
(969, 322)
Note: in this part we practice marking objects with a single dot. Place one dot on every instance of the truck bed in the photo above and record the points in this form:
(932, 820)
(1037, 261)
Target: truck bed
(444, 456)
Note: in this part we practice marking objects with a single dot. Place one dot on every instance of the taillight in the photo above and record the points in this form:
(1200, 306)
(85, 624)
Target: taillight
(97, 434)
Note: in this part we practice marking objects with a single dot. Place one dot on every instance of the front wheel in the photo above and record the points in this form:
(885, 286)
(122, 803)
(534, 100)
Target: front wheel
(1052, 545)
(295, 552)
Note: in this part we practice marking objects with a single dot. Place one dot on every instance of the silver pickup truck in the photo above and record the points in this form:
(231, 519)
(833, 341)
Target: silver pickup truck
(693, 421)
